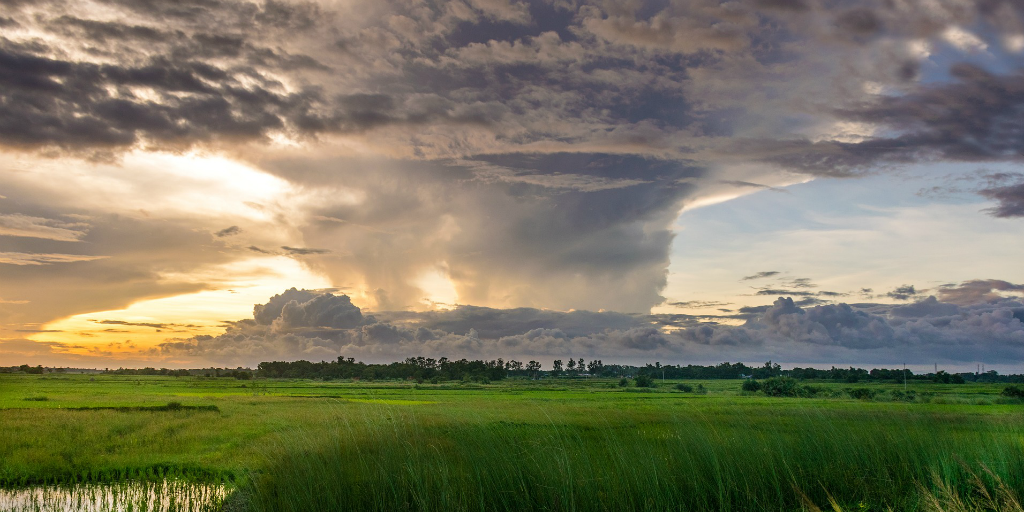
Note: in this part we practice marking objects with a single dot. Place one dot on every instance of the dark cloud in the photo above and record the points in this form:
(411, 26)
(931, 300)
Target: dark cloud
(859, 22)
(699, 304)
(776, 291)
(303, 251)
(783, 5)
(228, 231)
(1010, 198)
(142, 324)
(977, 291)
(904, 292)
(496, 323)
(762, 275)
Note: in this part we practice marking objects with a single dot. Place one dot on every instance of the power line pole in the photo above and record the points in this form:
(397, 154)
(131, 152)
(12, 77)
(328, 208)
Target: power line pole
(904, 377)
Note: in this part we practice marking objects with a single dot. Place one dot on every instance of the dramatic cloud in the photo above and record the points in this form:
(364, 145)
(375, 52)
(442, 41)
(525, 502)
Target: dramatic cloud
(301, 324)
(517, 156)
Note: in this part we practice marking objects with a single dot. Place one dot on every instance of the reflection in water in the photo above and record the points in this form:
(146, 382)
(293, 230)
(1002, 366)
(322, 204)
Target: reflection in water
(167, 495)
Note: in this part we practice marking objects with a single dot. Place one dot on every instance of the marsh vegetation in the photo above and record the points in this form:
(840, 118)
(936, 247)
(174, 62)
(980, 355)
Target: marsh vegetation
(519, 444)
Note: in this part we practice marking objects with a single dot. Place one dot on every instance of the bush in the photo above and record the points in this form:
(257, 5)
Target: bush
(685, 388)
(1013, 392)
(779, 386)
(862, 393)
(644, 381)
(751, 385)
(901, 396)
(701, 390)
(623, 382)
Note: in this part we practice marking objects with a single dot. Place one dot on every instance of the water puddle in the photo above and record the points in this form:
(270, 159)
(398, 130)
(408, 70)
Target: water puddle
(168, 495)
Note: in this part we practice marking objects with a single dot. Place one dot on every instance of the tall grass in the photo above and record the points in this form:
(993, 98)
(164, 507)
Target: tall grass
(740, 458)
(162, 496)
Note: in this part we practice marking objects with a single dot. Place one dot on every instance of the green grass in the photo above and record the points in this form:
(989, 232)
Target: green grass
(516, 445)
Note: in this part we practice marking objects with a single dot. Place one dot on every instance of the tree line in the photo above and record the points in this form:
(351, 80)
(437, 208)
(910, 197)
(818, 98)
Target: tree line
(444, 369)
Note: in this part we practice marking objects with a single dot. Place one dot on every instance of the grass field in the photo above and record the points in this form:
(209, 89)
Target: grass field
(517, 445)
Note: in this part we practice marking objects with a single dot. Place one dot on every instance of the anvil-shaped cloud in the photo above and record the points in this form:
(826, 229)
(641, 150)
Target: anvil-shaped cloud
(500, 153)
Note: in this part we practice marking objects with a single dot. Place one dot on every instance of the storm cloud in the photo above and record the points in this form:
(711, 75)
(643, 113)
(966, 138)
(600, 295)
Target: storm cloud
(523, 162)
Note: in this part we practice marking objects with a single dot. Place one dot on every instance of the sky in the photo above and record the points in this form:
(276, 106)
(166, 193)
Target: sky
(223, 182)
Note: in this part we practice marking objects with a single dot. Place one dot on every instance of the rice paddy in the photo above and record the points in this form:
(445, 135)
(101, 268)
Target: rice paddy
(513, 445)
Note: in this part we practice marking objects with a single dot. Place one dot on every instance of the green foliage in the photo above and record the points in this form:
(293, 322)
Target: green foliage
(1013, 392)
(776, 458)
(521, 445)
(751, 385)
(623, 382)
(700, 389)
(685, 388)
(779, 386)
(862, 393)
(644, 381)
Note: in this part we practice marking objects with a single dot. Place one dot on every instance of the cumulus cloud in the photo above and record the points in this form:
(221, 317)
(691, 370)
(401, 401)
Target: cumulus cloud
(302, 324)
(920, 332)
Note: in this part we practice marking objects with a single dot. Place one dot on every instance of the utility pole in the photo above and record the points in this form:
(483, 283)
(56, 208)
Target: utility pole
(904, 377)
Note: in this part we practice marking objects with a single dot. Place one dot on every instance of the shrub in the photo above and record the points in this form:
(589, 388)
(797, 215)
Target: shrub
(644, 381)
(901, 396)
(174, 406)
(685, 388)
(779, 386)
(862, 393)
(36, 399)
(701, 390)
(751, 385)
(1013, 392)
(623, 382)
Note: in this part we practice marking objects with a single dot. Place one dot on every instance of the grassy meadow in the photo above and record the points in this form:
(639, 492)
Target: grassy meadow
(518, 444)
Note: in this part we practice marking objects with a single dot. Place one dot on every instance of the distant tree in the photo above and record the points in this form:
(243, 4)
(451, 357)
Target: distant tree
(556, 366)
(644, 381)
(534, 368)
(572, 365)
